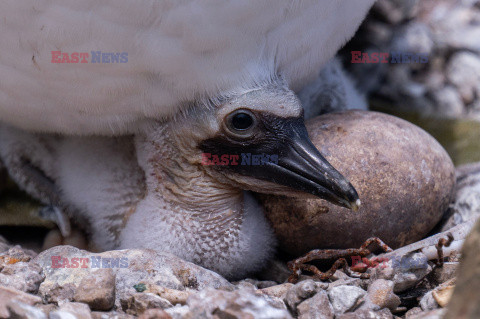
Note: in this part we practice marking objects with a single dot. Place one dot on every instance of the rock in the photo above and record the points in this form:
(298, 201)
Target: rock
(278, 291)
(449, 102)
(413, 312)
(345, 298)
(47, 308)
(155, 314)
(348, 281)
(140, 302)
(414, 37)
(172, 295)
(405, 270)
(444, 273)
(97, 290)
(79, 310)
(260, 284)
(367, 314)
(339, 275)
(179, 312)
(428, 302)
(431, 314)
(14, 255)
(22, 276)
(463, 71)
(441, 29)
(8, 295)
(464, 302)
(245, 284)
(242, 303)
(20, 310)
(380, 295)
(61, 315)
(130, 267)
(467, 196)
(111, 315)
(317, 307)
(301, 291)
(403, 176)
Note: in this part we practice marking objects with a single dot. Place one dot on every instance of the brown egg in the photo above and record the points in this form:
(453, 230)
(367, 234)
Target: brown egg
(403, 176)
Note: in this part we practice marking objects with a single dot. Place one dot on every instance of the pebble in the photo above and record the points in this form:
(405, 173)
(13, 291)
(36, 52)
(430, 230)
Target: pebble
(23, 276)
(405, 271)
(97, 290)
(140, 302)
(463, 71)
(179, 312)
(413, 312)
(172, 295)
(278, 291)
(111, 315)
(77, 309)
(428, 302)
(20, 310)
(301, 291)
(155, 314)
(447, 31)
(317, 307)
(432, 314)
(170, 272)
(467, 196)
(414, 37)
(58, 314)
(348, 281)
(345, 298)
(8, 295)
(367, 314)
(449, 102)
(241, 303)
(444, 273)
(14, 255)
(380, 295)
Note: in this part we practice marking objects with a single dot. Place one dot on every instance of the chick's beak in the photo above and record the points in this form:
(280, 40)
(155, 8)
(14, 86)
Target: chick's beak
(301, 166)
(293, 162)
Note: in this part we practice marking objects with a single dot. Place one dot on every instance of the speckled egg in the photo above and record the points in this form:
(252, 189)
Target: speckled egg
(404, 177)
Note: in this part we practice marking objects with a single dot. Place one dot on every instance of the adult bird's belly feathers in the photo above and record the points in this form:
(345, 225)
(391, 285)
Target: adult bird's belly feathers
(178, 52)
(202, 77)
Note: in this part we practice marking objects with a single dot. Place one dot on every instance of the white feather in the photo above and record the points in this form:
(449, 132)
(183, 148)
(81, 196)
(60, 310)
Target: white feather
(178, 51)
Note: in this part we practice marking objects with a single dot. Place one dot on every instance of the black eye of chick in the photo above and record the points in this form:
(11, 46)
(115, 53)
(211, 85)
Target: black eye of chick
(242, 121)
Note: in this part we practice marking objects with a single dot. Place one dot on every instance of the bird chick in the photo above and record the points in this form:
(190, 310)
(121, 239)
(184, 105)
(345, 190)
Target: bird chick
(154, 190)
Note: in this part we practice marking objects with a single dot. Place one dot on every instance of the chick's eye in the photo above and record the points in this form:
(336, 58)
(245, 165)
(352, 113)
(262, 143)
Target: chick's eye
(242, 121)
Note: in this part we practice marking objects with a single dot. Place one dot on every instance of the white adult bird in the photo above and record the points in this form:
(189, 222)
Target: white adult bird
(199, 77)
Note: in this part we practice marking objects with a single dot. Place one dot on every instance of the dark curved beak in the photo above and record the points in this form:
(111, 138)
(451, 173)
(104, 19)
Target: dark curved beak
(301, 166)
(292, 160)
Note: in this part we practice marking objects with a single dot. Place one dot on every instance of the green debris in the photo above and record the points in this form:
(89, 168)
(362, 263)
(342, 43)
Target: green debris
(140, 287)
